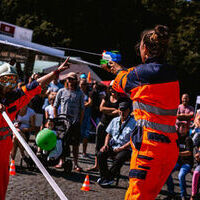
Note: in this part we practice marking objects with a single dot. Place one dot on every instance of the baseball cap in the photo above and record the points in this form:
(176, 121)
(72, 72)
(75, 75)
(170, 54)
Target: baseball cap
(125, 105)
(72, 75)
(83, 76)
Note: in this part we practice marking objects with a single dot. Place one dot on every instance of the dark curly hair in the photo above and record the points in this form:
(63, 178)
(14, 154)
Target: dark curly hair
(156, 40)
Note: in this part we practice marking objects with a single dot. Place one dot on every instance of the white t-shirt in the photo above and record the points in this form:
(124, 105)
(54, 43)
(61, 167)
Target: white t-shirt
(25, 120)
(49, 110)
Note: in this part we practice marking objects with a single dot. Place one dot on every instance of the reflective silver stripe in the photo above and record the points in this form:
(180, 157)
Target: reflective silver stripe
(159, 127)
(5, 136)
(3, 129)
(154, 109)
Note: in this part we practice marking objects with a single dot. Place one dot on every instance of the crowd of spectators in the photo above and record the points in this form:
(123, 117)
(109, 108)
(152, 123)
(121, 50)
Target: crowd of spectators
(91, 105)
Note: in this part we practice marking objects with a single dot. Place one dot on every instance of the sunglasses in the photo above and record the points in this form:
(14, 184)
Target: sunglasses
(9, 81)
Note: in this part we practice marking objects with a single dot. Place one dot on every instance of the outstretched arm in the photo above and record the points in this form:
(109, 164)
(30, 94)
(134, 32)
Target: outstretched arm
(121, 79)
(46, 79)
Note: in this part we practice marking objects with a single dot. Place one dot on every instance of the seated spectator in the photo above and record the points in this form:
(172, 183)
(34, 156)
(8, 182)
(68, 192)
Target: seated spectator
(184, 164)
(184, 114)
(117, 145)
(25, 123)
(109, 108)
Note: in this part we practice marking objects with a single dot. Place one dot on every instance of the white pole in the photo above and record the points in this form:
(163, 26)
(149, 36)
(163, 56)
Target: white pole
(35, 159)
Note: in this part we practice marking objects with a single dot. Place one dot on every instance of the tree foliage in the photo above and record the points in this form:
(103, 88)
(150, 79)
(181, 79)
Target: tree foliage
(107, 24)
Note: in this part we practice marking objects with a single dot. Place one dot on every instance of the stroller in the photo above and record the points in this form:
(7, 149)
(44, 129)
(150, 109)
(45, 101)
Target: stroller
(62, 126)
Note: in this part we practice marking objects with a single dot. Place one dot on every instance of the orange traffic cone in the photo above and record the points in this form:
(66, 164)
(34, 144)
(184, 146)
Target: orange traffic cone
(12, 168)
(85, 186)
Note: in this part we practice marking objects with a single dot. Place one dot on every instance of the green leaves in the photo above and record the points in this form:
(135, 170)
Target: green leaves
(97, 25)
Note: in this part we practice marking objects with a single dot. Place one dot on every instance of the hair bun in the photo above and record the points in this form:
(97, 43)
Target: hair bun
(156, 40)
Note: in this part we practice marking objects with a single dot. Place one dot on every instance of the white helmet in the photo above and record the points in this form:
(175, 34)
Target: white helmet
(7, 70)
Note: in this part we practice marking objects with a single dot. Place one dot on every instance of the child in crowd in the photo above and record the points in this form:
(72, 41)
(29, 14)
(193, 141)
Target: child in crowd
(49, 111)
(55, 153)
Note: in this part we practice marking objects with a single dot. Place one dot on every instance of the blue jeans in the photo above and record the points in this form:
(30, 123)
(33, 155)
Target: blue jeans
(184, 170)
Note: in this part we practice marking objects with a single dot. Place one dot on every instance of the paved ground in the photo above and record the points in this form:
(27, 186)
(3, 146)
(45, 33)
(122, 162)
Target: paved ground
(32, 185)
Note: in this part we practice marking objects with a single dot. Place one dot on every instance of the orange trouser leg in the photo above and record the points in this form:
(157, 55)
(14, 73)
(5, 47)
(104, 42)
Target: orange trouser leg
(5, 148)
(157, 171)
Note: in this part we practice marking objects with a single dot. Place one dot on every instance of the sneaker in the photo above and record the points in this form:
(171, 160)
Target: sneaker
(77, 168)
(100, 180)
(59, 165)
(106, 182)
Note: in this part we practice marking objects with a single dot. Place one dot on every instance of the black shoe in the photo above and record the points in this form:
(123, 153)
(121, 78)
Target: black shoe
(106, 182)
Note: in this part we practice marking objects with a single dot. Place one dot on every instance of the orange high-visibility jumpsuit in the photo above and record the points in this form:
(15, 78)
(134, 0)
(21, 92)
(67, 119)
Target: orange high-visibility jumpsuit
(13, 101)
(154, 90)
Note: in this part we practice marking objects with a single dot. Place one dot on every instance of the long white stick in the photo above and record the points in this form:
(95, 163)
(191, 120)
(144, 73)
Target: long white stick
(75, 60)
(35, 159)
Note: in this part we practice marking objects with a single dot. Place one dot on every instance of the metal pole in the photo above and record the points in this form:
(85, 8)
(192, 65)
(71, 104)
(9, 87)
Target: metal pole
(35, 159)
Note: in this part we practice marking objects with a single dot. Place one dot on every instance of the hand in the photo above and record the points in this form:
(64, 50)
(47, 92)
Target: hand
(116, 150)
(114, 67)
(2, 107)
(116, 112)
(64, 65)
(16, 125)
(104, 148)
(105, 67)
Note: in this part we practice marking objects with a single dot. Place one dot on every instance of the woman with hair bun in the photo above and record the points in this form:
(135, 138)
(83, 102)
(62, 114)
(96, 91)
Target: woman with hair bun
(154, 89)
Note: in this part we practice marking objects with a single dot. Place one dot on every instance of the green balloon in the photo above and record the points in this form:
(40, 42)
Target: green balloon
(46, 139)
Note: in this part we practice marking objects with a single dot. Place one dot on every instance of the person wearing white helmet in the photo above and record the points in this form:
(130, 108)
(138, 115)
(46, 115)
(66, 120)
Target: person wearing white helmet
(12, 99)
